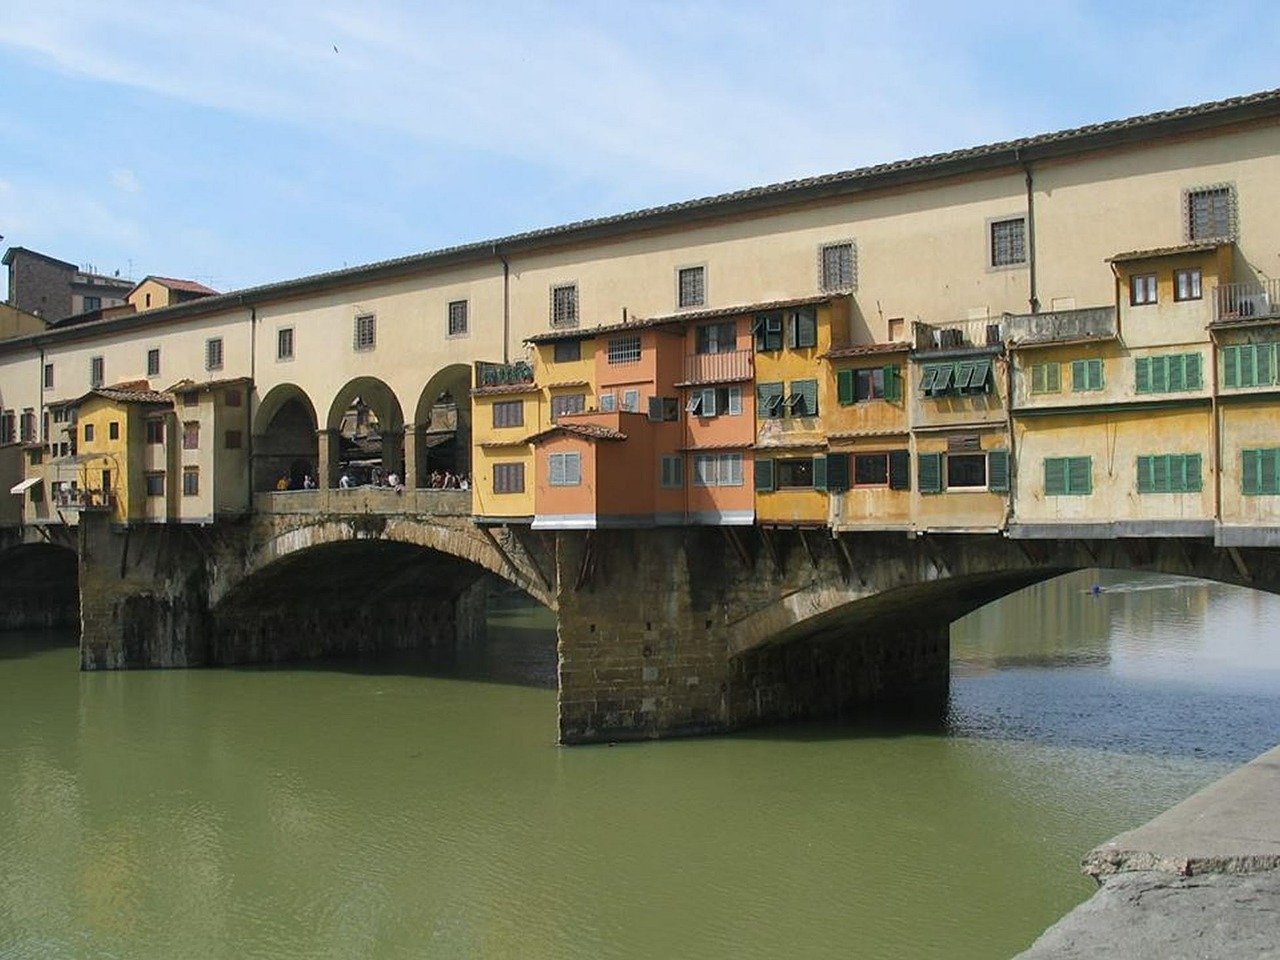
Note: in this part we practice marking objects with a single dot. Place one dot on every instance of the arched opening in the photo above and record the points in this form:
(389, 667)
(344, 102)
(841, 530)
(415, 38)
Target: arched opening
(442, 427)
(284, 443)
(366, 430)
(39, 587)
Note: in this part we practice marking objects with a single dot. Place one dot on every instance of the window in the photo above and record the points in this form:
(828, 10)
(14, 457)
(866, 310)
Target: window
(793, 474)
(631, 401)
(92, 303)
(97, 371)
(191, 435)
(508, 478)
(48, 376)
(191, 399)
(508, 413)
(1086, 375)
(565, 469)
(1008, 242)
(871, 470)
(715, 401)
(284, 343)
(113, 430)
(567, 403)
(966, 470)
(608, 403)
(153, 362)
(1261, 473)
(1249, 364)
(1068, 476)
(458, 318)
(802, 401)
(672, 471)
(717, 338)
(1169, 473)
(1211, 212)
(624, 349)
(155, 430)
(1187, 284)
(7, 427)
(233, 440)
(960, 377)
(769, 397)
(231, 398)
(88, 432)
(1172, 373)
(691, 283)
(27, 427)
(837, 267)
(873, 383)
(213, 353)
(155, 484)
(662, 409)
(767, 330)
(1142, 289)
(364, 336)
(804, 328)
(1046, 377)
(717, 470)
(568, 351)
(190, 481)
(564, 305)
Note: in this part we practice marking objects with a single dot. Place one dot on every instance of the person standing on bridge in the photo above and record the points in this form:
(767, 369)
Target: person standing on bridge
(283, 482)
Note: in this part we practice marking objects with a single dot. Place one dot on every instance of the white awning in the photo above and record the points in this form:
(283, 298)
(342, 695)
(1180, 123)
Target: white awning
(25, 485)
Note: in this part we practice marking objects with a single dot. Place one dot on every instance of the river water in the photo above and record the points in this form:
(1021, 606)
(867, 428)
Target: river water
(351, 811)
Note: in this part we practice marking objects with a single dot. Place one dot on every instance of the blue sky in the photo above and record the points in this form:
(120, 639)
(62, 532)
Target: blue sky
(242, 143)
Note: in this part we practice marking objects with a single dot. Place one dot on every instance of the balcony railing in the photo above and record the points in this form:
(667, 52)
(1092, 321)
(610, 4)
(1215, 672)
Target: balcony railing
(958, 334)
(718, 367)
(1061, 326)
(1247, 301)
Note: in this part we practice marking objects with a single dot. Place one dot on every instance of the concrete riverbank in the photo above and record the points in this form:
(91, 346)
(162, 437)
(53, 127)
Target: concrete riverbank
(1202, 880)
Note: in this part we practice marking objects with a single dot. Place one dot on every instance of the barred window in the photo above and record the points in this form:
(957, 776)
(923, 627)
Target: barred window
(1008, 242)
(284, 343)
(1211, 212)
(838, 267)
(153, 362)
(365, 332)
(564, 305)
(624, 349)
(508, 478)
(97, 371)
(213, 353)
(692, 286)
(508, 413)
(458, 318)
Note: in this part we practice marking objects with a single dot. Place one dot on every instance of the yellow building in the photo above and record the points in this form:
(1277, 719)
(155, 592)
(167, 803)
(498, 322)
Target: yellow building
(507, 408)
(124, 463)
(211, 434)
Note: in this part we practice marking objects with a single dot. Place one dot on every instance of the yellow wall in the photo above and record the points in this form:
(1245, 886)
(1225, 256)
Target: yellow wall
(1248, 423)
(492, 445)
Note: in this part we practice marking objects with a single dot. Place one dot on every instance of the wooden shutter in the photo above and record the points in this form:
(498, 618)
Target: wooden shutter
(929, 472)
(764, 475)
(1193, 473)
(892, 383)
(819, 473)
(899, 470)
(1079, 475)
(837, 470)
(844, 387)
(998, 471)
(1231, 366)
(1142, 374)
(1055, 476)
(1192, 371)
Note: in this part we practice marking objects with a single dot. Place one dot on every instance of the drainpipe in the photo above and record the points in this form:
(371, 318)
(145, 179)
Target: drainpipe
(1032, 297)
(1215, 430)
(506, 305)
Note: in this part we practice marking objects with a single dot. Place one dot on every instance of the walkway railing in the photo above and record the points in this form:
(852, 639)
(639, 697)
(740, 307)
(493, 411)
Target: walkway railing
(1247, 301)
(958, 334)
(721, 367)
(371, 500)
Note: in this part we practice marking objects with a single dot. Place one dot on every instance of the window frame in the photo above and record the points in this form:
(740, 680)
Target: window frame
(1048, 384)
(285, 344)
(153, 361)
(564, 307)
(154, 483)
(97, 371)
(457, 319)
(1193, 218)
(1161, 473)
(191, 481)
(154, 431)
(1072, 484)
(213, 355)
(855, 469)
(191, 435)
(564, 469)
(950, 468)
(565, 404)
(364, 333)
(1087, 375)
(624, 349)
(671, 472)
(1195, 277)
(1007, 252)
(845, 278)
(793, 473)
(719, 337)
(508, 413)
(1144, 289)
(560, 352)
(48, 376)
(693, 295)
(508, 477)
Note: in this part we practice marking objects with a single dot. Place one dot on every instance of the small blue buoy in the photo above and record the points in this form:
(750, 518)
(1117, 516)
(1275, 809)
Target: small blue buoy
(1096, 589)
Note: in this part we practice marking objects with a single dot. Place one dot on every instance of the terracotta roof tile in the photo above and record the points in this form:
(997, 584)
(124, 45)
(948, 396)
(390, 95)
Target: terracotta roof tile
(1199, 246)
(865, 350)
(501, 388)
(589, 431)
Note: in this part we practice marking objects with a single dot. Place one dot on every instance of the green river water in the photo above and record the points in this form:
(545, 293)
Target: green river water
(373, 810)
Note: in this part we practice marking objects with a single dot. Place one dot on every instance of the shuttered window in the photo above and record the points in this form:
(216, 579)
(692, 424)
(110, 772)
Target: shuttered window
(802, 398)
(837, 471)
(672, 471)
(1171, 373)
(1086, 375)
(1261, 473)
(1249, 365)
(899, 470)
(764, 475)
(1046, 377)
(804, 328)
(508, 478)
(769, 399)
(1170, 473)
(929, 472)
(998, 471)
(767, 331)
(565, 469)
(1068, 476)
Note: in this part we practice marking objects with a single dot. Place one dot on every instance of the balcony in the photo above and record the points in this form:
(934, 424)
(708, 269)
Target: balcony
(502, 374)
(718, 367)
(1236, 302)
(1061, 326)
(983, 333)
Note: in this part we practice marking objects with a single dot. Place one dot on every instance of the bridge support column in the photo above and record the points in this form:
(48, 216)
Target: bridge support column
(412, 469)
(328, 445)
(393, 453)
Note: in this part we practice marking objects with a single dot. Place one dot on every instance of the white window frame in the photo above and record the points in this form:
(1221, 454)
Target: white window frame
(284, 334)
(627, 348)
(564, 469)
(631, 401)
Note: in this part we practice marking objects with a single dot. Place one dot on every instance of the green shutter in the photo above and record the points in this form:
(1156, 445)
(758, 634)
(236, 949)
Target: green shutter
(819, 473)
(1266, 357)
(1193, 473)
(1191, 370)
(998, 471)
(1093, 374)
(844, 387)
(929, 472)
(899, 470)
(892, 383)
(837, 468)
(1231, 366)
(1079, 374)
(1145, 475)
(1159, 374)
(808, 389)
(764, 474)
(1055, 476)
(927, 379)
(1079, 475)
(765, 392)
(1142, 374)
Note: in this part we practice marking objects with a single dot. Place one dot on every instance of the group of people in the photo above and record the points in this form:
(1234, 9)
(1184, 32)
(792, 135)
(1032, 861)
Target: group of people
(439, 480)
(444, 480)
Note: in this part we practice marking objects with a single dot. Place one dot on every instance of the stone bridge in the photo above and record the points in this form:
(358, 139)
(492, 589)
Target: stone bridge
(662, 632)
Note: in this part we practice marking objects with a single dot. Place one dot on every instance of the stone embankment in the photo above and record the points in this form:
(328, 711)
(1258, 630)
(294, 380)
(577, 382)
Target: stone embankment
(1201, 880)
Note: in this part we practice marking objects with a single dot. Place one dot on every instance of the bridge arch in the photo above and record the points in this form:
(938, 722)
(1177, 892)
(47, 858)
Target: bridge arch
(442, 425)
(39, 586)
(367, 422)
(284, 438)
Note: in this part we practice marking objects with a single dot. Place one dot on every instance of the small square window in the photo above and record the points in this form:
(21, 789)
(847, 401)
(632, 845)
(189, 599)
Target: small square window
(1187, 284)
(1211, 213)
(155, 484)
(234, 440)
(564, 305)
(231, 398)
(624, 349)
(284, 343)
(692, 287)
(1142, 289)
(838, 267)
(1008, 242)
(113, 430)
(568, 351)
(153, 362)
(364, 336)
(458, 318)
(508, 478)
(508, 413)
(213, 353)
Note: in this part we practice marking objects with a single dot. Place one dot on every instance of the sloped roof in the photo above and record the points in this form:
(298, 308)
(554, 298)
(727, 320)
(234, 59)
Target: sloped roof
(588, 431)
(866, 350)
(187, 386)
(182, 286)
(1196, 246)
